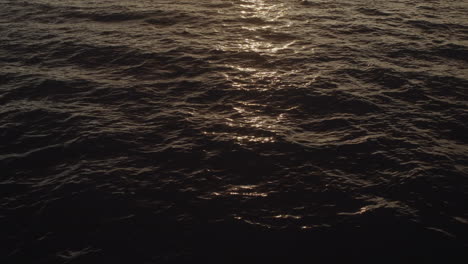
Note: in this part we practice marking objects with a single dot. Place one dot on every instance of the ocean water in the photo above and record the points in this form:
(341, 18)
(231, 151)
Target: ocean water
(157, 131)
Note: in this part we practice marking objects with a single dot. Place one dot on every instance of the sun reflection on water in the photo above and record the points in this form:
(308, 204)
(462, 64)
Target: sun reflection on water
(256, 39)
(260, 8)
(258, 42)
(260, 17)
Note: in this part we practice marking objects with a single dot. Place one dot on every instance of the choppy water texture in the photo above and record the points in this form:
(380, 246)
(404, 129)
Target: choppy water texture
(167, 131)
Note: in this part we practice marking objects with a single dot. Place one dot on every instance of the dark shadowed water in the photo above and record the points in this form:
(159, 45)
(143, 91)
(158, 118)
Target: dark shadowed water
(157, 131)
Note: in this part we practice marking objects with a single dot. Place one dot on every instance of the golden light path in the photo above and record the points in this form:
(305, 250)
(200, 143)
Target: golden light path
(261, 16)
(257, 19)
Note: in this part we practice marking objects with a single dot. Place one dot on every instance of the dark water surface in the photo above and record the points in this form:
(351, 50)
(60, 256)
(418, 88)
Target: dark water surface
(166, 131)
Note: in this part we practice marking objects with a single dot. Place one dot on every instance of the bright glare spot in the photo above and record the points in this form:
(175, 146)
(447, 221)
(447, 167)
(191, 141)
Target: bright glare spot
(287, 216)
